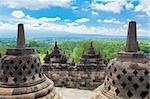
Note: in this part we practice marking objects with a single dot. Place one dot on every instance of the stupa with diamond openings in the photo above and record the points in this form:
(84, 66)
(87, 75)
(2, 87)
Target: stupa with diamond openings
(21, 74)
(128, 74)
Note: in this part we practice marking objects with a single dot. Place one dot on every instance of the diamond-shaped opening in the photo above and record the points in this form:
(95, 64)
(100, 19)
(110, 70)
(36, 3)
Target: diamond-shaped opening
(11, 62)
(135, 72)
(11, 74)
(6, 79)
(7, 67)
(129, 93)
(129, 78)
(123, 85)
(117, 91)
(113, 82)
(2, 66)
(144, 94)
(36, 71)
(109, 88)
(28, 61)
(24, 79)
(34, 60)
(110, 74)
(135, 86)
(147, 86)
(115, 69)
(33, 77)
(4, 72)
(20, 61)
(40, 75)
(141, 79)
(118, 76)
(20, 73)
(29, 72)
(124, 71)
(16, 67)
(32, 66)
(24, 67)
(146, 72)
(15, 80)
(107, 79)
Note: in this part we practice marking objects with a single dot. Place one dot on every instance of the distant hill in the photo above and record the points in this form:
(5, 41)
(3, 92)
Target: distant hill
(66, 36)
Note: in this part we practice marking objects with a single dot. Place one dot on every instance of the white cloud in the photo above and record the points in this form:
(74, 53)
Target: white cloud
(46, 26)
(99, 20)
(82, 20)
(144, 6)
(113, 20)
(94, 13)
(129, 6)
(18, 14)
(35, 4)
(138, 8)
(114, 6)
(72, 23)
(45, 19)
(74, 7)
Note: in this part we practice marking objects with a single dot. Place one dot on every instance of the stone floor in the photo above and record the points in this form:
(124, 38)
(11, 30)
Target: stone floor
(70, 93)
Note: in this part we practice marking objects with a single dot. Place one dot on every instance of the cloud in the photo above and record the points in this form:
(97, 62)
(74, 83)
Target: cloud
(129, 6)
(32, 24)
(45, 19)
(144, 6)
(82, 20)
(18, 14)
(114, 6)
(138, 8)
(94, 13)
(35, 4)
(113, 20)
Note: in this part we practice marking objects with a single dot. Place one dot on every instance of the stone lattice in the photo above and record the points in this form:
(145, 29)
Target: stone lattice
(127, 75)
(21, 74)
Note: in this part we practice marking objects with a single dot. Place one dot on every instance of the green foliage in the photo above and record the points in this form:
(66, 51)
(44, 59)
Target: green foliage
(75, 48)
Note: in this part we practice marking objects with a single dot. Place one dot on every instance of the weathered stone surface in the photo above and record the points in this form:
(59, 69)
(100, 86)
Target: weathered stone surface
(88, 74)
(21, 74)
(132, 44)
(127, 75)
(20, 37)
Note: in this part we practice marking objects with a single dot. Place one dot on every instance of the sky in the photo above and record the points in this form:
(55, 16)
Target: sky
(45, 17)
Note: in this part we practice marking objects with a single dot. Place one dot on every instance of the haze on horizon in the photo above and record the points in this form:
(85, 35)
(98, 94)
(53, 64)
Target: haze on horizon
(47, 17)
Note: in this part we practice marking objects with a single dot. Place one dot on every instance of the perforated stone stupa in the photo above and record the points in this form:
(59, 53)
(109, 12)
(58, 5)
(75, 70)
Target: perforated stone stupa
(127, 75)
(21, 74)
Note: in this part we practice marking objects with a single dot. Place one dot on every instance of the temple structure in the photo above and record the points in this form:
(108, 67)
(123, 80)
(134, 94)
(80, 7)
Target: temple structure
(128, 74)
(21, 74)
(55, 56)
(91, 59)
(88, 74)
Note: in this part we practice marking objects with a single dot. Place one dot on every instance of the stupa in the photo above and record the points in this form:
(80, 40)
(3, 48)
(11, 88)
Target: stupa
(21, 74)
(91, 59)
(127, 75)
(55, 56)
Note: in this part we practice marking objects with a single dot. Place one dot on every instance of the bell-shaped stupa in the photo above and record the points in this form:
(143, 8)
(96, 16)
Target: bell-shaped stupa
(21, 74)
(127, 76)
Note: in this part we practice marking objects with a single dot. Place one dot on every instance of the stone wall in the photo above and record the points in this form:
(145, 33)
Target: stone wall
(81, 79)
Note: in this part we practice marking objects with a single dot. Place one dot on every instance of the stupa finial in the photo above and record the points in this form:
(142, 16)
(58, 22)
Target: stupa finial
(20, 37)
(131, 44)
(91, 44)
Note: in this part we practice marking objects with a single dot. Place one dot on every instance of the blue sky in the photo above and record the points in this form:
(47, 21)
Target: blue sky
(106, 17)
